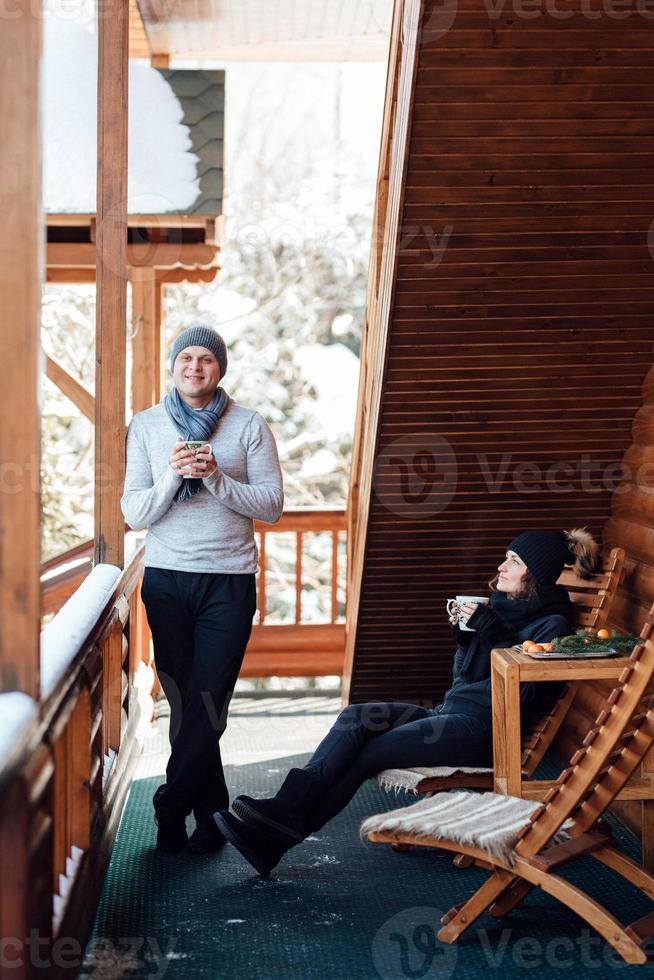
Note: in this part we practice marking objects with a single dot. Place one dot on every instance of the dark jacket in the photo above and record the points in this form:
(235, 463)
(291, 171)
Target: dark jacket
(503, 624)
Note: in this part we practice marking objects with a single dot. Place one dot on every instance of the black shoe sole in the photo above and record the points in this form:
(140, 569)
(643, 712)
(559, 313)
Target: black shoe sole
(261, 867)
(252, 817)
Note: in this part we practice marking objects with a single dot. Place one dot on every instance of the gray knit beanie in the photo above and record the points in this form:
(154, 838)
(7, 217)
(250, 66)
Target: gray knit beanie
(201, 335)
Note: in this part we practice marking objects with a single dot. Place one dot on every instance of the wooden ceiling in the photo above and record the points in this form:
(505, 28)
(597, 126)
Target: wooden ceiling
(268, 30)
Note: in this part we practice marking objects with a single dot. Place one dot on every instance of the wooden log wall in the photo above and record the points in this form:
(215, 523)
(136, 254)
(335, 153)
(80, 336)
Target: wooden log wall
(631, 526)
(632, 519)
(520, 328)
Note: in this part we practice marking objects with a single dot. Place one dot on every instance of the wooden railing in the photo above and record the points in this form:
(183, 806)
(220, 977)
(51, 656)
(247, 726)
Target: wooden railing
(64, 777)
(299, 647)
(63, 783)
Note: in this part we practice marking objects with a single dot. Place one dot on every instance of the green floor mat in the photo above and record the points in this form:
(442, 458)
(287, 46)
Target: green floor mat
(334, 908)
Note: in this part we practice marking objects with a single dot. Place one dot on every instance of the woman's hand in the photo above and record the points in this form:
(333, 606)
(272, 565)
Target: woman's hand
(454, 614)
(466, 611)
(204, 463)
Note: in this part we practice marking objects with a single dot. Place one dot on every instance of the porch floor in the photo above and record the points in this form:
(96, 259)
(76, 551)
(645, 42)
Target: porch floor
(335, 908)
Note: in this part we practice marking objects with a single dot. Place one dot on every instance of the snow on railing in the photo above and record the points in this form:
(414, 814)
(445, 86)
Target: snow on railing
(65, 635)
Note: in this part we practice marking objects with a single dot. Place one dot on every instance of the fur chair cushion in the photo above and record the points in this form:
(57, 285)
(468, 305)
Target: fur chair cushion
(489, 821)
(410, 779)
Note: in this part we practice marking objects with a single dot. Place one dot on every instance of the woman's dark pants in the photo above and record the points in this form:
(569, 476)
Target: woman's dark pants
(200, 624)
(367, 738)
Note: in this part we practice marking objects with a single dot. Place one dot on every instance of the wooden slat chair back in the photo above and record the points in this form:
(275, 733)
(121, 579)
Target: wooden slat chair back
(615, 745)
(592, 600)
(593, 597)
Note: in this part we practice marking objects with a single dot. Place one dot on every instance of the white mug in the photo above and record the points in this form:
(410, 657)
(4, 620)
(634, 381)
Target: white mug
(462, 600)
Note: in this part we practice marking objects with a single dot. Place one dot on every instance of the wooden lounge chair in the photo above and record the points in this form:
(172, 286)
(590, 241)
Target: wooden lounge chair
(523, 842)
(592, 600)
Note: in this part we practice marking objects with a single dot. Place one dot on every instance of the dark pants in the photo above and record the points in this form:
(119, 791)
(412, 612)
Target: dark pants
(367, 738)
(201, 624)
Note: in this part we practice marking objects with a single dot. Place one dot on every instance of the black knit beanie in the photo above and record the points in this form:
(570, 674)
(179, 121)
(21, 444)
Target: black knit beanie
(201, 335)
(545, 553)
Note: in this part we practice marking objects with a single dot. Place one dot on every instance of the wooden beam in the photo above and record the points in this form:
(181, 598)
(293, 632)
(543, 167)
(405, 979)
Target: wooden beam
(153, 255)
(70, 275)
(213, 225)
(146, 336)
(78, 393)
(405, 40)
(21, 258)
(111, 243)
(159, 341)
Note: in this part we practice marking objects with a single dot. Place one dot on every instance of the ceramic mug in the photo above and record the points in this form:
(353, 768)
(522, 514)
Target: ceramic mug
(462, 600)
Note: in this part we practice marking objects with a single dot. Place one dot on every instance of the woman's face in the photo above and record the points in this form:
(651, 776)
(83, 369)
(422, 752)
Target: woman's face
(512, 571)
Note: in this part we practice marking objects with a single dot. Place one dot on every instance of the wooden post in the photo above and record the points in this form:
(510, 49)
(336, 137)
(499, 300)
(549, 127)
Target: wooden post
(15, 885)
(159, 342)
(146, 354)
(111, 279)
(21, 260)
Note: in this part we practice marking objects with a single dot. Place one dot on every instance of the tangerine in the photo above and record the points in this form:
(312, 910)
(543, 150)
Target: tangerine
(603, 634)
(537, 648)
(547, 646)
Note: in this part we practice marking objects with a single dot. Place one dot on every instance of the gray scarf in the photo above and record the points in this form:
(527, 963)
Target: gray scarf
(194, 426)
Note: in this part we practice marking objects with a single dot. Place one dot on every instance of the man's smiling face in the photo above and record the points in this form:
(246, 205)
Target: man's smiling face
(196, 374)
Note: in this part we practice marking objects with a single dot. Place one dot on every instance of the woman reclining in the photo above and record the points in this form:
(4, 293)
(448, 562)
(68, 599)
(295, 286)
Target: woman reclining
(525, 603)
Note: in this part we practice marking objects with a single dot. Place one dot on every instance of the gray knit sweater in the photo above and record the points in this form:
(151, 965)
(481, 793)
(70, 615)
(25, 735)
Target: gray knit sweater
(213, 531)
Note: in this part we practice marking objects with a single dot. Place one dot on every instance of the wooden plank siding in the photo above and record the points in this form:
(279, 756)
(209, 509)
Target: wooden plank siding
(520, 329)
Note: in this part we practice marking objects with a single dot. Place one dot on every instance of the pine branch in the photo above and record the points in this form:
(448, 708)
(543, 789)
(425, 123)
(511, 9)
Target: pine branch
(583, 642)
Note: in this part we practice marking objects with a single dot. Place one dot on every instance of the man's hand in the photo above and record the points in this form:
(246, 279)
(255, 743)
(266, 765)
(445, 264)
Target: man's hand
(204, 463)
(181, 457)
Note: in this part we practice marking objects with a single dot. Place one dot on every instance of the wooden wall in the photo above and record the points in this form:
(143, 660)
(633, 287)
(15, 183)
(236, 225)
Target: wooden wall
(520, 329)
(632, 520)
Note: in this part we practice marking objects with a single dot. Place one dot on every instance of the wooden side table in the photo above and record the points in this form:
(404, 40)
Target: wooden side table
(510, 668)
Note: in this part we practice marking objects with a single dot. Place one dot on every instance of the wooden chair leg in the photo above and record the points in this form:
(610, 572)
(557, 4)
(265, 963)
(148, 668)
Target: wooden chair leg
(511, 898)
(588, 909)
(468, 913)
(463, 861)
(629, 869)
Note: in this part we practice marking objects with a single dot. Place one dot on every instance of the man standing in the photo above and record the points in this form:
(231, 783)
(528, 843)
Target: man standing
(200, 563)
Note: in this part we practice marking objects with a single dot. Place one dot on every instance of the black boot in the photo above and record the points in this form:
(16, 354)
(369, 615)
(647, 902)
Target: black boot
(206, 837)
(287, 812)
(262, 848)
(171, 831)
